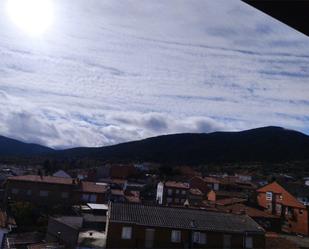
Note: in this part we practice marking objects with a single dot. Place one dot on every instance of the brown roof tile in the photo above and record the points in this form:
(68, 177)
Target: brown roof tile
(173, 184)
(92, 187)
(196, 191)
(43, 179)
(230, 201)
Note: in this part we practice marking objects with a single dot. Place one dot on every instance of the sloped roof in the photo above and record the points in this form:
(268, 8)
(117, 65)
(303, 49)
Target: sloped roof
(181, 218)
(287, 200)
(90, 187)
(43, 179)
(173, 184)
(250, 211)
(196, 191)
(230, 201)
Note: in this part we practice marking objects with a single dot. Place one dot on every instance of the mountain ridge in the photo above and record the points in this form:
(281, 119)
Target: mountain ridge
(265, 144)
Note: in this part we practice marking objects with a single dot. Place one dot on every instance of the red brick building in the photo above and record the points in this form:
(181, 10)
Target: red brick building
(48, 190)
(141, 226)
(276, 200)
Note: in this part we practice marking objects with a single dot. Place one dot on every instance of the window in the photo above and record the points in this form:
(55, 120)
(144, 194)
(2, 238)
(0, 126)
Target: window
(183, 192)
(177, 200)
(199, 238)
(169, 200)
(269, 196)
(177, 191)
(278, 208)
(248, 242)
(64, 195)
(93, 198)
(169, 191)
(269, 207)
(85, 197)
(176, 236)
(126, 233)
(29, 192)
(43, 193)
(15, 191)
(280, 197)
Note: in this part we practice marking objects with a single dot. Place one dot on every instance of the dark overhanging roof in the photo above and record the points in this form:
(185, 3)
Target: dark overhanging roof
(182, 218)
(294, 13)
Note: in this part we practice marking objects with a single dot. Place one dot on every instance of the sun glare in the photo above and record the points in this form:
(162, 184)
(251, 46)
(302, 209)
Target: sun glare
(32, 16)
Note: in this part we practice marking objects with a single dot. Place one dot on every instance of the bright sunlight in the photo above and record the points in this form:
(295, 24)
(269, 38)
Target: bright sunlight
(32, 16)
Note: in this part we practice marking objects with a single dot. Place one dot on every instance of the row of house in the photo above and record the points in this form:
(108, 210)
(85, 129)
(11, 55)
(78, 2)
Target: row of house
(277, 207)
(199, 212)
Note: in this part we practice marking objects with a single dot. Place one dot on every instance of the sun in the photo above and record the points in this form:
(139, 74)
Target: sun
(32, 16)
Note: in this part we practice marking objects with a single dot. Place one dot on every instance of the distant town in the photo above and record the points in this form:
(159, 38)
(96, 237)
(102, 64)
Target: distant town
(145, 205)
(154, 124)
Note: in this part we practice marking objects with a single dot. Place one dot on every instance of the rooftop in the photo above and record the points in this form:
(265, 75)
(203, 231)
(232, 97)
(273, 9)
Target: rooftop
(196, 191)
(43, 179)
(230, 201)
(288, 200)
(182, 218)
(243, 209)
(90, 187)
(173, 184)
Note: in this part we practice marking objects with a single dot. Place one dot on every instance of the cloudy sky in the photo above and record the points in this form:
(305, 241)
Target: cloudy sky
(102, 72)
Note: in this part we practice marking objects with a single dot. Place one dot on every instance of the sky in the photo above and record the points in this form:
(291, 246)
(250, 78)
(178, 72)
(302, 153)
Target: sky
(102, 72)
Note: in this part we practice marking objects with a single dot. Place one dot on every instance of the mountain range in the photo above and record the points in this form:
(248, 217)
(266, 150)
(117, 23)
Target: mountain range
(266, 144)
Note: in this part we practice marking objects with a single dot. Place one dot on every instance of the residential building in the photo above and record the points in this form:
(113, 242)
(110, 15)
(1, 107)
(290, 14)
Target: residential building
(268, 221)
(205, 184)
(172, 193)
(277, 200)
(142, 226)
(75, 232)
(46, 190)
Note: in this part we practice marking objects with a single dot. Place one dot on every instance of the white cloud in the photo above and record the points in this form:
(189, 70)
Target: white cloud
(113, 71)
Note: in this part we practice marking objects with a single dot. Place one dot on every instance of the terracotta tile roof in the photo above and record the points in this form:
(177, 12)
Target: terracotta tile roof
(92, 187)
(230, 201)
(181, 218)
(243, 209)
(287, 200)
(196, 191)
(42, 179)
(211, 180)
(274, 242)
(231, 194)
(173, 184)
